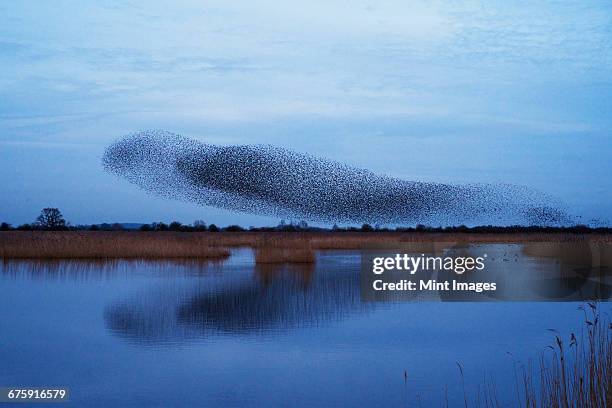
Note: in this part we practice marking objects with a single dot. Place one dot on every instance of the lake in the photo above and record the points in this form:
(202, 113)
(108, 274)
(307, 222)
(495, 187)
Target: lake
(189, 333)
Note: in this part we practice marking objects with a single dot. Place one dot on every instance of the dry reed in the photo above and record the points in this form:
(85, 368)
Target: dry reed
(275, 249)
(96, 245)
(576, 374)
(289, 246)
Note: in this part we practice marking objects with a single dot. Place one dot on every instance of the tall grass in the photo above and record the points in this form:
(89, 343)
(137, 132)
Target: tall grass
(97, 245)
(276, 249)
(574, 373)
(578, 372)
(269, 246)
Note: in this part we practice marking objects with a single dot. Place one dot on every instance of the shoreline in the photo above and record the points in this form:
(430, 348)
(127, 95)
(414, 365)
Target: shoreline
(298, 246)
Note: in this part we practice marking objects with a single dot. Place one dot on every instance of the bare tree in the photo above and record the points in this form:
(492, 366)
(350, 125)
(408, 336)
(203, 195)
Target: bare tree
(51, 219)
(199, 225)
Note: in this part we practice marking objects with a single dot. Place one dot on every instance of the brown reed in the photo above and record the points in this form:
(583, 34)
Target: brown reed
(59, 245)
(276, 249)
(575, 373)
(291, 246)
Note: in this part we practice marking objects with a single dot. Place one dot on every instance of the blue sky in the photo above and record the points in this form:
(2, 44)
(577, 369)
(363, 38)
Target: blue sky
(463, 92)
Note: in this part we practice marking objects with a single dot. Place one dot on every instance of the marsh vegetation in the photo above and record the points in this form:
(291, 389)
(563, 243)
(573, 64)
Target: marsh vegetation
(269, 246)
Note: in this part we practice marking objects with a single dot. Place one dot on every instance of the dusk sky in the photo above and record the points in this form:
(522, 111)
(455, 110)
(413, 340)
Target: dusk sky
(462, 92)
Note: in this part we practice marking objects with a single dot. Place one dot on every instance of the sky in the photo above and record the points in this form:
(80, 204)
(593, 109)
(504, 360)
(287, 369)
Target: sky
(446, 91)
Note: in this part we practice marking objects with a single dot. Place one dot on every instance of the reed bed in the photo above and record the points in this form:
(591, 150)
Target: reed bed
(363, 240)
(574, 373)
(98, 245)
(275, 249)
(291, 246)
(579, 371)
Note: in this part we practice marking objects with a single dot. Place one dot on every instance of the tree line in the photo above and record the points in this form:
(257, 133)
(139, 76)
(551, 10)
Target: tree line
(51, 219)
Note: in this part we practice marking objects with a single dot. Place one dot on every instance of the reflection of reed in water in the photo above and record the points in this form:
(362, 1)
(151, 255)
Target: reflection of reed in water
(584, 269)
(538, 271)
(268, 273)
(279, 297)
(95, 269)
(563, 271)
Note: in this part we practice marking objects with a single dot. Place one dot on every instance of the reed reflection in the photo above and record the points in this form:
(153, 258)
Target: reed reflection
(560, 271)
(259, 300)
(97, 269)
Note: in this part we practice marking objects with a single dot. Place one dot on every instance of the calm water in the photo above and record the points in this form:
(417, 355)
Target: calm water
(148, 334)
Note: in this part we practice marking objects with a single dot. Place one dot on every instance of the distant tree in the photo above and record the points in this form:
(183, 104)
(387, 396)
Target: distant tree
(581, 228)
(145, 227)
(5, 226)
(287, 227)
(175, 226)
(335, 227)
(94, 227)
(51, 219)
(367, 227)
(25, 227)
(303, 225)
(160, 226)
(199, 225)
(213, 228)
(234, 228)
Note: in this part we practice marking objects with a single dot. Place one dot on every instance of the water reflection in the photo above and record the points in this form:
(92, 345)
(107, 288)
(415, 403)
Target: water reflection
(190, 299)
(248, 301)
(571, 271)
(96, 269)
(533, 271)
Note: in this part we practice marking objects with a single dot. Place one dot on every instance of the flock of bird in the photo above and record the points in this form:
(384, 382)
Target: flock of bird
(268, 180)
